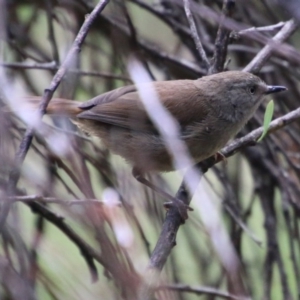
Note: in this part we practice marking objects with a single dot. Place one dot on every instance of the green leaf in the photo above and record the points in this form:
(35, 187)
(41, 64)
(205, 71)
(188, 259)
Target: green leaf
(267, 119)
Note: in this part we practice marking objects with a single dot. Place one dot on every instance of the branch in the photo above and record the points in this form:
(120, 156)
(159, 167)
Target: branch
(53, 200)
(261, 29)
(200, 291)
(188, 68)
(195, 34)
(263, 55)
(250, 138)
(86, 250)
(27, 139)
(53, 67)
(222, 39)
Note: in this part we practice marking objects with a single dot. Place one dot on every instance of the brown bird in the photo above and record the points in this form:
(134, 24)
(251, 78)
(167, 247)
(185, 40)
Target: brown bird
(209, 111)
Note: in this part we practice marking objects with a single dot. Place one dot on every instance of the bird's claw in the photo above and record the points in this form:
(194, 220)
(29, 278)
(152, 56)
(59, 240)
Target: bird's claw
(219, 156)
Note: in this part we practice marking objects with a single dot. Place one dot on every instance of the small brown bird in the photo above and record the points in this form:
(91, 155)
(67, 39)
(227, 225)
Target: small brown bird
(209, 111)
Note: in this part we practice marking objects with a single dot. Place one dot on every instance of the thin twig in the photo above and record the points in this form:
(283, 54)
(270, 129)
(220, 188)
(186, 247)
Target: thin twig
(51, 35)
(53, 67)
(27, 139)
(250, 138)
(222, 39)
(53, 200)
(263, 55)
(200, 291)
(242, 225)
(195, 35)
(188, 67)
(261, 29)
(86, 250)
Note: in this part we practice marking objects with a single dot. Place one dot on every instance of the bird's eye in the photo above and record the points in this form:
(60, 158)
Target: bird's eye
(252, 90)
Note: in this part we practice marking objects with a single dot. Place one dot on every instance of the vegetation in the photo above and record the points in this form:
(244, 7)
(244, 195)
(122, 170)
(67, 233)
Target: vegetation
(75, 224)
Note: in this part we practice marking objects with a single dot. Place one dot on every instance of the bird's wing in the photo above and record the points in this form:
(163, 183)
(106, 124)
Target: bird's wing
(108, 97)
(123, 108)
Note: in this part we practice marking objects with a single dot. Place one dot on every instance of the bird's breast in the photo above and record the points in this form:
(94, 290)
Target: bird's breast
(204, 140)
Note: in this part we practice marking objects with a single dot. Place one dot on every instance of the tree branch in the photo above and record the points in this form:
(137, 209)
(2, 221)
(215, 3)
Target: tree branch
(200, 291)
(195, 35)
(222, 39)
(53, 67)
(259, 60)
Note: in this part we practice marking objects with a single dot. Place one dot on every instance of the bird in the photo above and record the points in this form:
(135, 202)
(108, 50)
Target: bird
(209, 112)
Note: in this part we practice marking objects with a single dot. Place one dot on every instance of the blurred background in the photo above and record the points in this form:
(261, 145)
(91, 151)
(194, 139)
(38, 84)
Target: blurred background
(81, 227)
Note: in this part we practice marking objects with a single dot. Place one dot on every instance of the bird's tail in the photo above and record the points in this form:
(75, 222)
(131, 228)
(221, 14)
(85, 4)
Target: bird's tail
(57, 106)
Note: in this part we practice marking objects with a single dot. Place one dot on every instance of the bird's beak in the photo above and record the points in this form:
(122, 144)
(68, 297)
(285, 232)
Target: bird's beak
(275, 89)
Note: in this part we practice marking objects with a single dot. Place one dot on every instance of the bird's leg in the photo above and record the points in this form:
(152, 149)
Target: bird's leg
(182, 207)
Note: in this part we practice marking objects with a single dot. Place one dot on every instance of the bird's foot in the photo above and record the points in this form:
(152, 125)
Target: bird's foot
(219, 156)
(181, 206)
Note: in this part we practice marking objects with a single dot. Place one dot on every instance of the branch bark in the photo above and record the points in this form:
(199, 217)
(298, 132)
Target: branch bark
(222, 39)
(260, 59)
(195, 35)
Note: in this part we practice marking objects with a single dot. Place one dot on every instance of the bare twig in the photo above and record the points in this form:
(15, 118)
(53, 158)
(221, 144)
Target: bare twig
(86, 166)
(26, 141)
(52, 200)
(222, 39)
(200, 291)
(186, 66)
(51, 34)
(195, 35)
(261, 29)
(53, 67)
(261, 57)
(250, 138)
(87, 251)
